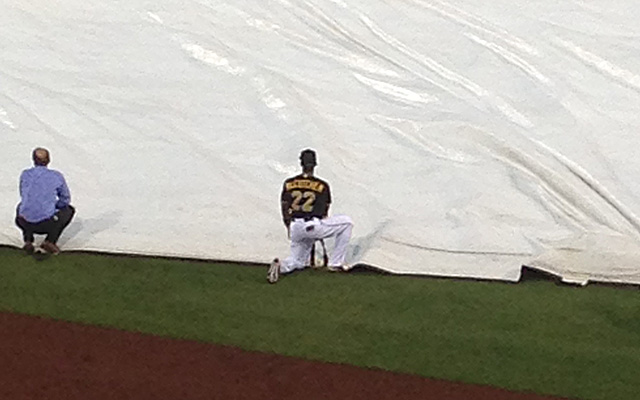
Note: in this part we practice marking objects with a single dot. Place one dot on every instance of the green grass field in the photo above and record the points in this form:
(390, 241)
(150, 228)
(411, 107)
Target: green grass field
(534, 336)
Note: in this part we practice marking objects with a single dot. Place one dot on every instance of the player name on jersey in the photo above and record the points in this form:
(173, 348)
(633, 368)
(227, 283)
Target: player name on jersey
(305, 184)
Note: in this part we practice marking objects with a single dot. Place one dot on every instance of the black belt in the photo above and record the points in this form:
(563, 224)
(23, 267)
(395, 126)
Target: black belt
(306, 219)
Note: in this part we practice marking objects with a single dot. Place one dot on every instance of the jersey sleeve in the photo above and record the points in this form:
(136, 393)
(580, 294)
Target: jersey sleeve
(285, 204)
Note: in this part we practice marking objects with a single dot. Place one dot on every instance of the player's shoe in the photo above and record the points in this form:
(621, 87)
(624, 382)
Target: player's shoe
(50, 248)
(339, 268)
(28, 248)
(274, 271)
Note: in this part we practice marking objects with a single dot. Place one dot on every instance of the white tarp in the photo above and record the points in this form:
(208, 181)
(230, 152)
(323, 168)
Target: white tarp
(465, 138)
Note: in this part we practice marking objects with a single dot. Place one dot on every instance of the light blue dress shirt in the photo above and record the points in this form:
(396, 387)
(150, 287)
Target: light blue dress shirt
(43, 192)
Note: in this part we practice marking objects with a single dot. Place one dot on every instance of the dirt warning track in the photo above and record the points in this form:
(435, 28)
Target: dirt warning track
(46, 359)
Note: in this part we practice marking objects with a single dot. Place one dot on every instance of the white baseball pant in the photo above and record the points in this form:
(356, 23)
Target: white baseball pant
(305, 233)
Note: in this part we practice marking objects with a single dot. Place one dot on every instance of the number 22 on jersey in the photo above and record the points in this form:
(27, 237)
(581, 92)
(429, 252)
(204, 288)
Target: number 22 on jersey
(303, 200)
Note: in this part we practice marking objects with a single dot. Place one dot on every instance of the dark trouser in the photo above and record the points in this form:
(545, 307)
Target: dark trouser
(51, 227)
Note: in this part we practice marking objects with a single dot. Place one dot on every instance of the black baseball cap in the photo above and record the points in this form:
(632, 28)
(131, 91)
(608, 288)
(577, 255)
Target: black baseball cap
(308, 158)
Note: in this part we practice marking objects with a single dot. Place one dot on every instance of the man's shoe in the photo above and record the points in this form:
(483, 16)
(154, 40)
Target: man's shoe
(347, 267)
(50, 248)
(28, 248)
(339, 268)
(274, 271)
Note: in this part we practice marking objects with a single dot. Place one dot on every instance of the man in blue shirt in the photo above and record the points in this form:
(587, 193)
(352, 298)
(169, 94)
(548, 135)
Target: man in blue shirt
(45, 207)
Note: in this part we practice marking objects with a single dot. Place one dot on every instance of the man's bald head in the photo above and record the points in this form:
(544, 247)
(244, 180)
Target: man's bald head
(41, 156)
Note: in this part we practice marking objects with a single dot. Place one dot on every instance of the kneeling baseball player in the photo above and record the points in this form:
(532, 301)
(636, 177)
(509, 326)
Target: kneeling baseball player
(305, 202)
